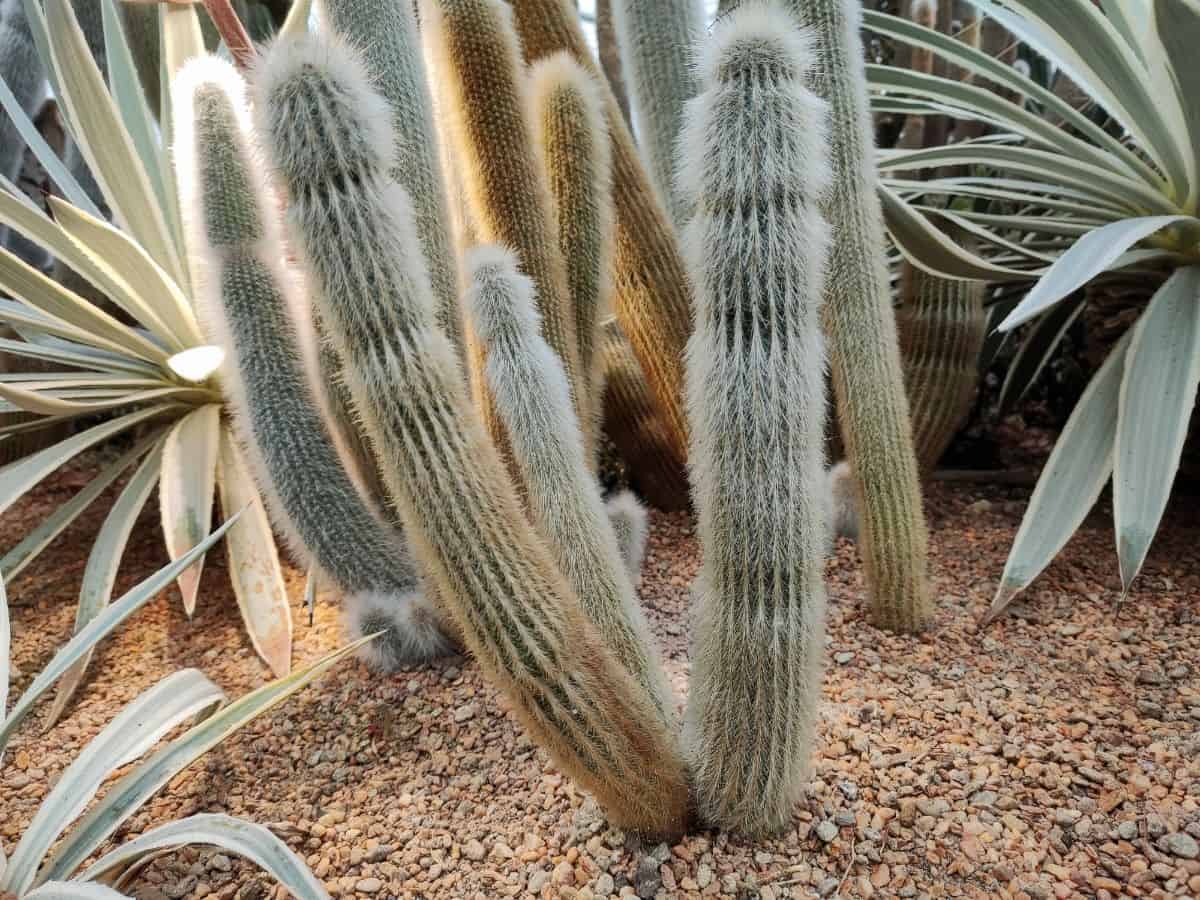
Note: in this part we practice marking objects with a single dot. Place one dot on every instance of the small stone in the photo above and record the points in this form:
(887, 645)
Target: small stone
(464, 713)
(979, 507)
(849, 790)
(1127, 830)
(220, 863)
(763, 858)
(369, 885)
(844, 818)
(564, 873)
(908, 811)
(704, 876)
(647, 880)
(827, 831)
(1180, 844)
(983, 798)
(827, 887)
(473, 850)
(604, 885)
(538, 880)
(1066, 817)
(842, 658)
(380, 853)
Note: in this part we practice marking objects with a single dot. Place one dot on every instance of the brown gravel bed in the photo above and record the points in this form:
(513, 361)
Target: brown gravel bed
(1055, 754)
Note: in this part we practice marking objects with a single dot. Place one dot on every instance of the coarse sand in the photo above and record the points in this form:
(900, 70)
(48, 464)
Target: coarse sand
(1055, 753)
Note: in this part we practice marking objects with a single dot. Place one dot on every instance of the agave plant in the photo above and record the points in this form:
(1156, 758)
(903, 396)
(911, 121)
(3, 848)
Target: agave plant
(32, 869)
(1054, 196)
(138, 365)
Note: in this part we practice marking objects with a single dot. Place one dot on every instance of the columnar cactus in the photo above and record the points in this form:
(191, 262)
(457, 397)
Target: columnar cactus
(486, 110)
(650, 285)
(530, 389)
(942, 326)
(385, 32)
(252, 306)
(634, 423)
(631, 526)
(352, 228)
(753, 168)
(609, 55)
(656, 41)
(22, 70)
(925, 13)
(868, 379)
(568, 118)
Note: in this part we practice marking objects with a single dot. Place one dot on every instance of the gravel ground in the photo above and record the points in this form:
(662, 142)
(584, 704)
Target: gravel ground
(1054, 754)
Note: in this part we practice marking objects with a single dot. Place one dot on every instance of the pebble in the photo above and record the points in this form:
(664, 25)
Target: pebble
(827, 831)
(369, 885)
(538, 880)
(473, 850)
(1179, 844)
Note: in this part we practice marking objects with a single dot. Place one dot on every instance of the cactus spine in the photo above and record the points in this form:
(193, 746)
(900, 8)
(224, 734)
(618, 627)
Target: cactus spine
(568, 116)
(752, 166)
(650, 285)
(385, 32)
(867, 376)
(530, 388)
(353, 229)
(656, 41)
(634, 423)
(486, 109)
(251, 304)
(942, 325)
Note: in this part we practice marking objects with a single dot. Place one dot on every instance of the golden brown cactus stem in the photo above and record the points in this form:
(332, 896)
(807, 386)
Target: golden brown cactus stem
(651, 290)
(568, 115)
(486, 108)
(942, 325)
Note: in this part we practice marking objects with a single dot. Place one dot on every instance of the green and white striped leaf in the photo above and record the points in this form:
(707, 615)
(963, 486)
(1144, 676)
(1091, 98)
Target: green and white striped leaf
(1158, 392)
(244, 839)
(185, 494)
(1035, 352)
(1078, 468)
(929, 249)
(137, 728)
(1092, 254)
(22, 475)
(74, 890)
(104, 560)
(99, 628)
(130, 259)
(103, 140)
(36, 540)
(1178, 25)
(135, 788)
(254, 562)
(49, 160)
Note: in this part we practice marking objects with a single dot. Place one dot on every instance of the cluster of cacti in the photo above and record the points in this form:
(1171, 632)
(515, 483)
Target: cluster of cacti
(348, 373)
(656, 42)
(753, 168)
(352, 227)
(254, 311)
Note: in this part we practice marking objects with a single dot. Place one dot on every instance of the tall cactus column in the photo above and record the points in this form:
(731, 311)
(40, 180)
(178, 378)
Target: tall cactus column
(487, 111)
(568, 117)
(753, 164)
(255, 309)
(353, 229)
(651, 290)
(868, 379)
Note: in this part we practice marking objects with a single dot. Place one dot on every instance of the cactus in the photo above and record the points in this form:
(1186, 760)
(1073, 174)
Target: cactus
(252, 306)
(21, 68)
(609, 55)
(942, 325)
(843, 517)
(868, 379)
(629, 522)
(634, 423)
(530, 388)
(753, 167)
(486, 109)
(656, 41)
(352, 228)
(385, 32)
(568, 116)
(650, 286)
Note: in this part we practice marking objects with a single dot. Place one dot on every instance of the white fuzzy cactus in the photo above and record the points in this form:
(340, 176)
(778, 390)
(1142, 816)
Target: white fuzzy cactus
(753, 167)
